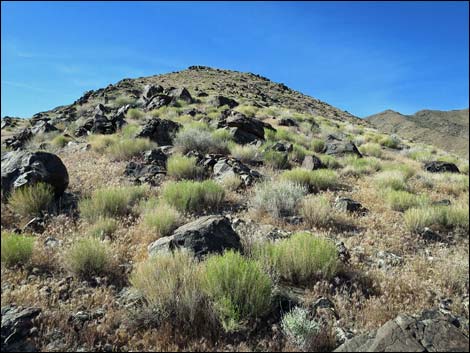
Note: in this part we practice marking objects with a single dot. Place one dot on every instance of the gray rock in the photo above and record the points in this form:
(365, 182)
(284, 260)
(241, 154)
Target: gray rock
(231, 166)
(17, 323)
(312, 163)
(441, 167)
(150, 91)
(430, 235)
(244, 130)
(348, 205)
(338, 147)
(160, 131)
(210, 234)
(219, 101)
(19, 140)
(20, 168)
(430, 332)
(180, 94)
(43, 127)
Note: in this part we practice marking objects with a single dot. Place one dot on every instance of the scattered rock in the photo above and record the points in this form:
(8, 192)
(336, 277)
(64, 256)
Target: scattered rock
(220, 101)
(231, 166)
(430, 235)
(20, 168)
(312, 163)
(8, 121)
(244, 130)
(444, 202)
(348, 205)
(343, 253)
(150, 91)
(160, 131)
(17, 323)
(43, 127)
(19, 140)
(282, 147)
(430, 332)
(288, 122)
(35, 225)
(158, 101)
(180, 94)
(210, 234)
(338, 147)
(441, 167)
(388, 259)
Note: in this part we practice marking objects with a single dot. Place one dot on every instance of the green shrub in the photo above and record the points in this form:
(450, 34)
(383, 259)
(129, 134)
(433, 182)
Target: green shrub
(420, 154)
(99, 143)
(299, 327)
(316, 211)
(245, 153)
(181, 167)
(315, 180)
(371, 149)
(16, 249)
(111, 201)
(231, 182)
(103, 227)
(193, 195)
(135, 114)
(123, 100)
(248, 110)
(360, 166)
(389, 141)
(454, 216)
(60, 140)
(406, 170)
(276, 160)
(330, 162)
(394, 180)
(279, 199)
(399, 200)
(126, 148)
(199, 138)
(300, 258)
(130, 130)
(170, 284)
(298, 153)
(31, 200)
(162, 219)
(89, 257)
(238, 288)
(318, 145)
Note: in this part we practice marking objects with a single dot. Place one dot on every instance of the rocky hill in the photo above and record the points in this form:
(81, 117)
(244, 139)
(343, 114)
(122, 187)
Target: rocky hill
(447, 130)
(213, 210)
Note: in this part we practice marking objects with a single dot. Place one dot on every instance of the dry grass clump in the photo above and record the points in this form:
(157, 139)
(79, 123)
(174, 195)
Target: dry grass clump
(279, 199)
(454, 216)
(200, 139)
(181, 167)
(317, 211)
(389, 141)
(103, 227)
(371, 149)
(275, 159)
(135, 114)
(400, 200)
(111, 201)
(31, 200)
(394, 180)
(60, 140)
(316, 180)
(16, 249)
(245, 153)
(317, 145)
(160, 218)
(360, 166)
(126, 148)
(300, 258)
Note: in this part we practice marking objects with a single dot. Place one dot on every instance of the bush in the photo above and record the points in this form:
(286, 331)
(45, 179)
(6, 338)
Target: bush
(199, 139)
(99, 143)
(170, 284)
(135, 114)
(103, 227)
(89, 257)
(231, 182)
(193, 196)
(315, 180)
(316, 211)
(420, 154)
(389, 141)
(111, 201)
(455, 216)
(299, 328)
(330, 162)
(60, 140)
(298, 153)
(399, 200)
(360, 166)
(245, 153)
(279, 199)
(248, 110)
(16, 249)
(238, 288)
(126, 148)
(371, 149)
(394, 180)
(276, 160)
(318, 145)
(181, 167)
(163, 219)
(300, 258)
(31, 200)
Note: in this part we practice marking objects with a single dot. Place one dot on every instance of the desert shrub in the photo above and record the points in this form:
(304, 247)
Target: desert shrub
(300, 258)
(103, 227)
(400, 200)
(394, 180)
(31, 200)
(315, 180)
(389, 141)
(130, 130)
(100, 142)
(126, 148)
(237, 286)
(223, 136)
(89, 257)
(199, 139)
(193, 195)
(464, 168)
(111, 201)
(420, 154)
(371, 149)
(316, 211)
(162, 219)
(248, 110)
(298, 153)
(245, 153)
(330, 162)
(360, 166)
(279, 199)
(170, 285)
(276, 160)
(299, 327)
(16, 249)
(231, 182)
(454, 216)
(135, 114)
(60, 140)
(318, 145)
(449, 183)
(123, 100)
(406, 170)
(181, 167)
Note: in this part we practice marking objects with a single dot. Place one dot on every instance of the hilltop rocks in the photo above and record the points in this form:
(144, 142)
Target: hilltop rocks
(180, 94)
(155, 96)
(100, 124)
(441, 167)
(244, 130)
(338, 147)
(150, 91)
(18, 141)
(210, 234)
(8, 121)
(42, 127)
(17, 323)
(432, 331)
(220, 101)
(27, 168)
(312, 163)
(160, 131)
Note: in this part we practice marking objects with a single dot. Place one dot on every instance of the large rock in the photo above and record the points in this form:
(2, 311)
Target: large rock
(338, 147)
(19, 140)
(226, 167)
(180, 94)
(20, 168)
(150, 91)
(160, 131)
(312, 163)
(219, 101)
(158, 101)
(244, 130)
(42, 127)
(16, 328)
(210, 234)
(432, 331)
(441, 167)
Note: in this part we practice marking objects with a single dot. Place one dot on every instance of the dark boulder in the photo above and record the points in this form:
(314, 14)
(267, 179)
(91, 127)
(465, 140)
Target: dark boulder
(20, 168)
(102, 125)
(42, 127)
(288, 122)
(19, 140)
(244, 130)
(219, 101)
(348, 205)
(230, 166)
(337, 147)
(283, 147)
(8, 121)
(150, 91)
(312, 163)
(160, 131)
(180, 94)
(17, 323)
(441, 167)
(210, 234)
(158, 101)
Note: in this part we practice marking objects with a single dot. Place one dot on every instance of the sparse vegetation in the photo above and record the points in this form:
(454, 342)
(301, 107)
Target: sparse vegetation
(200, 138)
(16, 249)
(103, 227)
(315, 180)
(162, 219)
(181, 167)
(31, 200)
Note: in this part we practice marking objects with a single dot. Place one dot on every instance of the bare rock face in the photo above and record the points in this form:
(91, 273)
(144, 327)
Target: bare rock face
(16, 327)
(20, 168)
(432, 331)
(441, 167)
(210, 234)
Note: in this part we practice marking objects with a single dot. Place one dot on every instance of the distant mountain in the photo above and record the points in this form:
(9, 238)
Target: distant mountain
(444, 129)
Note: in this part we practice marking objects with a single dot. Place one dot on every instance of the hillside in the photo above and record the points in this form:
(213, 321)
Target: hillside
(447, 130)
(214, 210)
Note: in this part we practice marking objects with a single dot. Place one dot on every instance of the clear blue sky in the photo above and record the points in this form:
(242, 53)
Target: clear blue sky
(361, 57)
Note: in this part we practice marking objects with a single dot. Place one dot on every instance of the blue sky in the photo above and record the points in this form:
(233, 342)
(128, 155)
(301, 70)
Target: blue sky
(363, 57)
